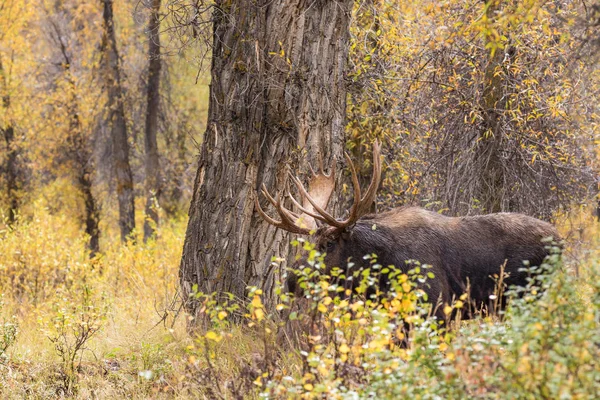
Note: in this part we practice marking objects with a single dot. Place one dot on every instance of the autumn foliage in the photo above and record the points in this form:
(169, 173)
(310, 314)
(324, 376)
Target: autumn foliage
(481, 106)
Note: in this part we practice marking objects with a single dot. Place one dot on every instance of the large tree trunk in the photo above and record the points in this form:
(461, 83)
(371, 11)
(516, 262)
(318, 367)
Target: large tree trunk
(152, 166)
(277, 99)
(116, 118)
(10, 163)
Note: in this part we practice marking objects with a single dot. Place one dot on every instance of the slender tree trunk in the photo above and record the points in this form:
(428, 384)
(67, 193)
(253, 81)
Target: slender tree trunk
(152, 166)
(116, 118)
(10, 163)
(80, 153)
(92, 212)
(81, 156)
(277, 100)
(492, 188)
(11, 173)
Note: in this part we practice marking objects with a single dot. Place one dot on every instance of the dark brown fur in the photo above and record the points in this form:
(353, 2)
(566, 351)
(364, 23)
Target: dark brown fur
(461, 250)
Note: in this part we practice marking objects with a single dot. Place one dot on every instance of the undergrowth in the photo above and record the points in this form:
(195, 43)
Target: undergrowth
(113, 327)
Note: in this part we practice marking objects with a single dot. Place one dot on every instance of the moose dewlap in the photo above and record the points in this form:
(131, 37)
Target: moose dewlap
(463, 252)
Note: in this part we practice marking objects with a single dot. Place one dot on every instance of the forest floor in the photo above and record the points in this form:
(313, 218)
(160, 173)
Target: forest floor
(112, 327)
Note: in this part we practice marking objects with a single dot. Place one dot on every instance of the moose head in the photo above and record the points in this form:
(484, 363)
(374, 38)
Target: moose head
(330, 235)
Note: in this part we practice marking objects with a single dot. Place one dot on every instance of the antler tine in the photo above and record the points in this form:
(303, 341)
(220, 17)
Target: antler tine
(264, 215)
(326, 216)
(357, 194)
(332, 172)
(321, 164)
(266, 193)
(287, 217)
(277, 202)
(304, 210)
(365, 202)
(312, 171)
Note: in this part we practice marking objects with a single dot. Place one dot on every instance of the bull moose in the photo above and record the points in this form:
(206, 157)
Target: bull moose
(463, 252)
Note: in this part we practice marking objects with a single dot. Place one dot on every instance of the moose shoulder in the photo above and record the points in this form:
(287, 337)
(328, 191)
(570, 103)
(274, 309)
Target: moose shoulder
(463, 252)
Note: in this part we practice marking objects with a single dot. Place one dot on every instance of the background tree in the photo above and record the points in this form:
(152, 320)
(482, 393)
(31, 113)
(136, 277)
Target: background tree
(70, 112)
(118, 124)
(479, 104)
(151, 146)
(54, 78)
(13, 18)
(11, 150)
(278, 99)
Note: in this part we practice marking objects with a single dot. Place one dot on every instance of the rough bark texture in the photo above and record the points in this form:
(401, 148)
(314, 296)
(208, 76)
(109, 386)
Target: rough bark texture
(116, 118)
(152, 165)
(277, 99)
(10, 167)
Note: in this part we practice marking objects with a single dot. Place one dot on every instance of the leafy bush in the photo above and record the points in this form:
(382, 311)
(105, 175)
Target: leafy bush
(70, 327)
(388, 345)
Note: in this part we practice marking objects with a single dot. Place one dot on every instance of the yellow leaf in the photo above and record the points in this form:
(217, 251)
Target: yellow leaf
(344, 348)
(256, 302)
(259, 314)
(406, 287)
(210, 335)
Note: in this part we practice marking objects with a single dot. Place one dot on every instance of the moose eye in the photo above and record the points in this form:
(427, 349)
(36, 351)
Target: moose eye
(330, 245)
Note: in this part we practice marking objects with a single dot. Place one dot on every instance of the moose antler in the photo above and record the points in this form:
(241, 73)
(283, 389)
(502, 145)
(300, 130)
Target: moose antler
(288, 218)
(318, 195)
(320, 188)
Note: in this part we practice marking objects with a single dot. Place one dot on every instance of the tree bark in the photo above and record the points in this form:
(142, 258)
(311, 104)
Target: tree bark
(118, 126)
(152, 165)
(11, 173)
(92, 212)
(492, 187)
(277, 99)
(10, 163)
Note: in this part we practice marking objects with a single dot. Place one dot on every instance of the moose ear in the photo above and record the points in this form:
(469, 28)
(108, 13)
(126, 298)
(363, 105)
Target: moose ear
(346, 234)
